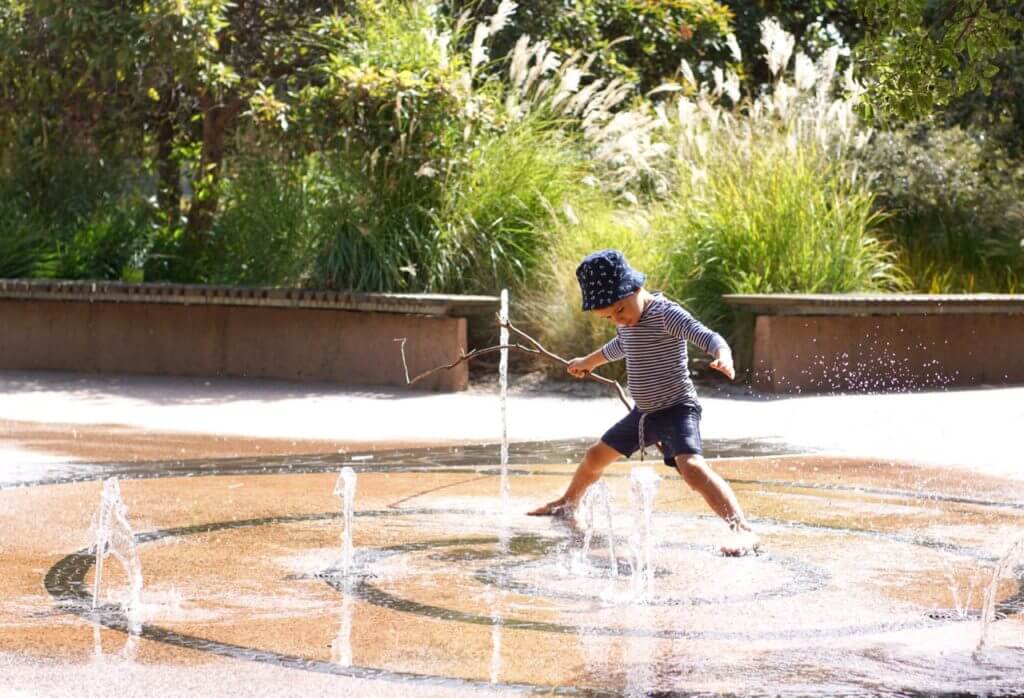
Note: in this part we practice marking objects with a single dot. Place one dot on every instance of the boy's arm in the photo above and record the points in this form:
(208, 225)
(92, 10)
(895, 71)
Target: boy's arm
(581, 366)
(723, 361)
(681, 324)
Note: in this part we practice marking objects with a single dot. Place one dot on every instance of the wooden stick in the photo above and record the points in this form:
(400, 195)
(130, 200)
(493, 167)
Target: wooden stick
(463, 357)
(538, 350)
(565, 362)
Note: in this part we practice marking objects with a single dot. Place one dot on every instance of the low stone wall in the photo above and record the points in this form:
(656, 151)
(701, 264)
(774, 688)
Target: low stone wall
(192, 330)
(868, 343)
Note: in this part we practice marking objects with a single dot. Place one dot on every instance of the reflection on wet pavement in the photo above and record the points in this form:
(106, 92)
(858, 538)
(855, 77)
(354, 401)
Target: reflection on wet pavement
(482, 456)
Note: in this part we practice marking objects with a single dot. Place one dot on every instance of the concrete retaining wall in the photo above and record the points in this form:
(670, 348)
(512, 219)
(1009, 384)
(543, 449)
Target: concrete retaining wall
(179, 335)
(884, 343)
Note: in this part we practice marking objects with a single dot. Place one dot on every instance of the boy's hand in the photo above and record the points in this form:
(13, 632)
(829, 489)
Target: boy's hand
(560, 507)
(723, 363)
(578, 367)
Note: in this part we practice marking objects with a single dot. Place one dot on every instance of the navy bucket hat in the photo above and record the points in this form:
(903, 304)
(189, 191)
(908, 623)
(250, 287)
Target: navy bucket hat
(605, 277)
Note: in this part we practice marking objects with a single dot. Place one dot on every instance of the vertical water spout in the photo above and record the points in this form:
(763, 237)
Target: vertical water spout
(1009, 561)
(961, 595)
(597, 499)
(114, 536)
(644, 488)
(343, 642)
(496, 624)
(345, 488)
(613, 560)
(585, 520)
(101, 532)
(503, 392)
(497, 604)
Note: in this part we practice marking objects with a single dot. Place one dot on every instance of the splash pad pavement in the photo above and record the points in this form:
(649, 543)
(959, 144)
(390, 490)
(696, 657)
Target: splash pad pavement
(869, 583)
(873, 578)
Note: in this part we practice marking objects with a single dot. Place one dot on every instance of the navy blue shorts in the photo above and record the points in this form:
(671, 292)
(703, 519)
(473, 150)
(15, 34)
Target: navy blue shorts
(676, 427)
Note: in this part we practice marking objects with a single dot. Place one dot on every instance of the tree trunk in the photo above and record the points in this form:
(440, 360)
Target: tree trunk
(169, 185)
(217, 117)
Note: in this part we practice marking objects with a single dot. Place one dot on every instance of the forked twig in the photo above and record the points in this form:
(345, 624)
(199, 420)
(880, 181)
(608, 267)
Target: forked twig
(537, 350)
(565, 362)
(462, 357)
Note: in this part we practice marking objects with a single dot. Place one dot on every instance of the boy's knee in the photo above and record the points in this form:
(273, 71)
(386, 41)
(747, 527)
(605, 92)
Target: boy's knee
(600, 454)
(691, 467)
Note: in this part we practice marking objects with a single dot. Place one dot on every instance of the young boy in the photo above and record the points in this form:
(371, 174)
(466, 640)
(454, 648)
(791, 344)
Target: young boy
(652, 336)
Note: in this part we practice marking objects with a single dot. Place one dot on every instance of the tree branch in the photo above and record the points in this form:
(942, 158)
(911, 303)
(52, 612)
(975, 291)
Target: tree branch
(537, 350)
(945, 15)
(464, 357)
(565, 362)
(971, 18)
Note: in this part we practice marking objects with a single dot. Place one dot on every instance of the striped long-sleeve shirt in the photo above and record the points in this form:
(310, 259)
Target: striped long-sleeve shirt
(655, 353)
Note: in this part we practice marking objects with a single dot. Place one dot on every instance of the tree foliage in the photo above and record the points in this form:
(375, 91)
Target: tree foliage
(999, 112)
(414, 144)
(642, 41)
(163, 83)
(921, 54)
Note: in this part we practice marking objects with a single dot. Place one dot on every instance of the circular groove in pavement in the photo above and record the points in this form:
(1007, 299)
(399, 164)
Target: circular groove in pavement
(65, 581)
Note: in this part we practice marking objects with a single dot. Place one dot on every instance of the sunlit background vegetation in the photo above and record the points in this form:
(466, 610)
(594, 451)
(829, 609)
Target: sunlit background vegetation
(469, 146)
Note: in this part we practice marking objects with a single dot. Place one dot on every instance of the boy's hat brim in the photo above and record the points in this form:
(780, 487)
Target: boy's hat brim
(605, 277)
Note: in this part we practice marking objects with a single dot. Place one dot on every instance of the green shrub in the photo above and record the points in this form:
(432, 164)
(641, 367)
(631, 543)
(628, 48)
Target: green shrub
(79, 221)
(770, 220)
(498, 204)
(269, 228)
(20, 241)
(377, 233)
(110, 244)
(955, 206)
(20, 245)
(476, 226)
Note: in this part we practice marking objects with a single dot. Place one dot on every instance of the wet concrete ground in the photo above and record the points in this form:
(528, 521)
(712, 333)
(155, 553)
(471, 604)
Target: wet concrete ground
(975, 429)
(854, 593)
(871, 580)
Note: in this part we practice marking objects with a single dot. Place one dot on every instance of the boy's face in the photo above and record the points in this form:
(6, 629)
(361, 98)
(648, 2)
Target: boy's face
(623, 313)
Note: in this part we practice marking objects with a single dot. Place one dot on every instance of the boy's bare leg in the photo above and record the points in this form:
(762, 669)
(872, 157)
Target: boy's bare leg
(720, 497)
(598, 457)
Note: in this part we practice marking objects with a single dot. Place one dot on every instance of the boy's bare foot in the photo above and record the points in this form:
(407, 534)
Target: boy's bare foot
(741, 543)
(559, 508)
